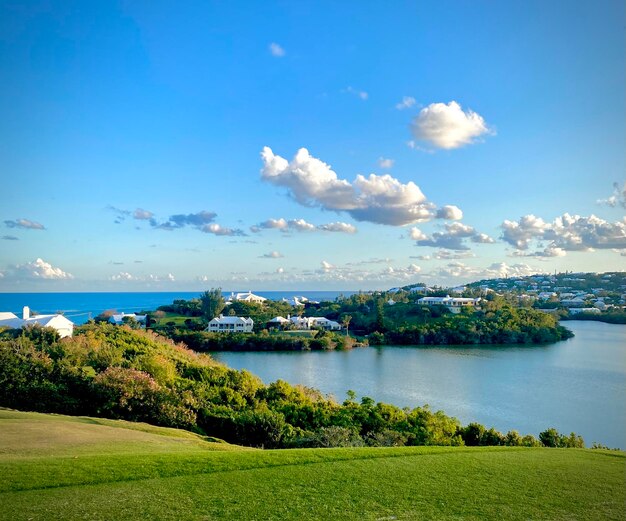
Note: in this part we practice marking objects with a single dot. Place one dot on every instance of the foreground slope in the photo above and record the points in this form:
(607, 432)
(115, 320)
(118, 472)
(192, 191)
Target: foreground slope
(58, 467)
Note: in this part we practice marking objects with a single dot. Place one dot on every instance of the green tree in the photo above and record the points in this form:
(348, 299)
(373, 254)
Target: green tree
(212, 303)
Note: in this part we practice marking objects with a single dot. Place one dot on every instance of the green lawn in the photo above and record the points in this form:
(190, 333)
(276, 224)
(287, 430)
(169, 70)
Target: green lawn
(59, 467)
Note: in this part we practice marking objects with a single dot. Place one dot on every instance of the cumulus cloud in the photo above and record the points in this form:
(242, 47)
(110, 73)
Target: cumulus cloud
(300, 225)
(122, 275)
(617, 198)
(40, 269)
(25, 224)
(380, 199)
(385, 162)
(406, 103)
(459, 270)
(565, 233)
(448, 126)
(142, 215)
(340, 227)
(272, 255)
(276, 50)
(361, 94)
(217, 229)
(198, 220)
(453, 238)
(450, 212)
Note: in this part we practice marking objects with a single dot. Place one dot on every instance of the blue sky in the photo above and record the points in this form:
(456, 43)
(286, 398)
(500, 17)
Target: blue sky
(444, 142)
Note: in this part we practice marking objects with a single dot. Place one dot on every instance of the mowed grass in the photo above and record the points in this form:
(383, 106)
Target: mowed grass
(58, 467)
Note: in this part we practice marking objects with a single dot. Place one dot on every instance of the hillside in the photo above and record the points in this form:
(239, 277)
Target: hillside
(59, 467)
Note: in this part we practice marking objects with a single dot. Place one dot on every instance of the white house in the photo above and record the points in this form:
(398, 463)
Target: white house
(278, 322)
(118, 318)
(454, 304)
(245, 297)
(311, 322)
(63, 326)
(230, 324)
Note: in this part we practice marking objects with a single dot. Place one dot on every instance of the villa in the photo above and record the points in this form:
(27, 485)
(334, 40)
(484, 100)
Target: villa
(230, 324)
(245, 297)
(63, 326)
(454, 304)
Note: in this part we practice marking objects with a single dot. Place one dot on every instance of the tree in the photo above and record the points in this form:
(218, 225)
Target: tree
(345, 321)
(212, 303)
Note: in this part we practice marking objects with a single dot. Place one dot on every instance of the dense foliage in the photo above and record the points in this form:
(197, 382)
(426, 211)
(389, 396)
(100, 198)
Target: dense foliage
(117, 372)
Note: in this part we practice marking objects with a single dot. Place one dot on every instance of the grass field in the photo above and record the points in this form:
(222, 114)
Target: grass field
(59, 467)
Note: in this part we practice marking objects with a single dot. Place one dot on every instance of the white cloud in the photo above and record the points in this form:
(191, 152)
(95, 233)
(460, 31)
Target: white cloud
(379, 199)
(276, 50)
(565, 233)
(142, 215)
(417, 235)
(40, 269)
(24, 223)
(272, 255)
(122, 275)
(280, 270)
(327, 266)
(337, 227)
(217, 229)
(406, 103)
(617, 198)
(453, 238)
(385, 162)
(448, 126)
(459, 270)
(450, 212)
(361, 94)
(300, 225)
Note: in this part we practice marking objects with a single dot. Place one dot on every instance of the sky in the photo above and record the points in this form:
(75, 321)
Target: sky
(158, 145)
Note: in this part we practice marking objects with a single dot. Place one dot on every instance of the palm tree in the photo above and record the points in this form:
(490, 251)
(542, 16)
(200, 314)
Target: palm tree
(346, 322)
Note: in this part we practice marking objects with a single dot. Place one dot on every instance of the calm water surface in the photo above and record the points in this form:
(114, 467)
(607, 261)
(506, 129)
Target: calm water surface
(576, 385)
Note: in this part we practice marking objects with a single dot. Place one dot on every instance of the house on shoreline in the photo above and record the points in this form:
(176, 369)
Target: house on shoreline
(228, 324)
(63, 326)
(244, 297)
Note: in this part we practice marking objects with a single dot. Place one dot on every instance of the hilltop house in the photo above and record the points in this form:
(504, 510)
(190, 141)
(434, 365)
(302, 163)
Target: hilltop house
(454, 304)
(63, 326)
(118, 318)
(230, 324)
(245, 297)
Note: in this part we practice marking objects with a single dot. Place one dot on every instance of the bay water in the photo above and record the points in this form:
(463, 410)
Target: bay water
(576, 385)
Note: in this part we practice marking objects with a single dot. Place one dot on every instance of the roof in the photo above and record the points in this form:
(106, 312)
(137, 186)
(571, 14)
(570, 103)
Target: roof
(231, 320)
(6, 315)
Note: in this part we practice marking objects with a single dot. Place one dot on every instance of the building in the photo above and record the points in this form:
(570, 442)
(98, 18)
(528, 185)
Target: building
(314, 322)
(118, 318)
(454, 304)
(63, 326)
(591, 311)
(245, 297)
(278, 322)
(230, 324)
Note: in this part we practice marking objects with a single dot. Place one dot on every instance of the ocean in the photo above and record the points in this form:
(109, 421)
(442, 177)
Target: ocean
(80, 307)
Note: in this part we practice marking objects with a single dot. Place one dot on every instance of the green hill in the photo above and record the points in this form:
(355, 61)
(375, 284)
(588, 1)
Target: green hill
(61, 467)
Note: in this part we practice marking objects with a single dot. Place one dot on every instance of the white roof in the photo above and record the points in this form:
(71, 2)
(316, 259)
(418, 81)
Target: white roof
(279, 319)
(231, 320)
(7, 315)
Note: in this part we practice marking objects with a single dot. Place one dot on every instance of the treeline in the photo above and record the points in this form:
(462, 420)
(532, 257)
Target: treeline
(263, 341)
(503, 326)
(117, 372)
(610, 317)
